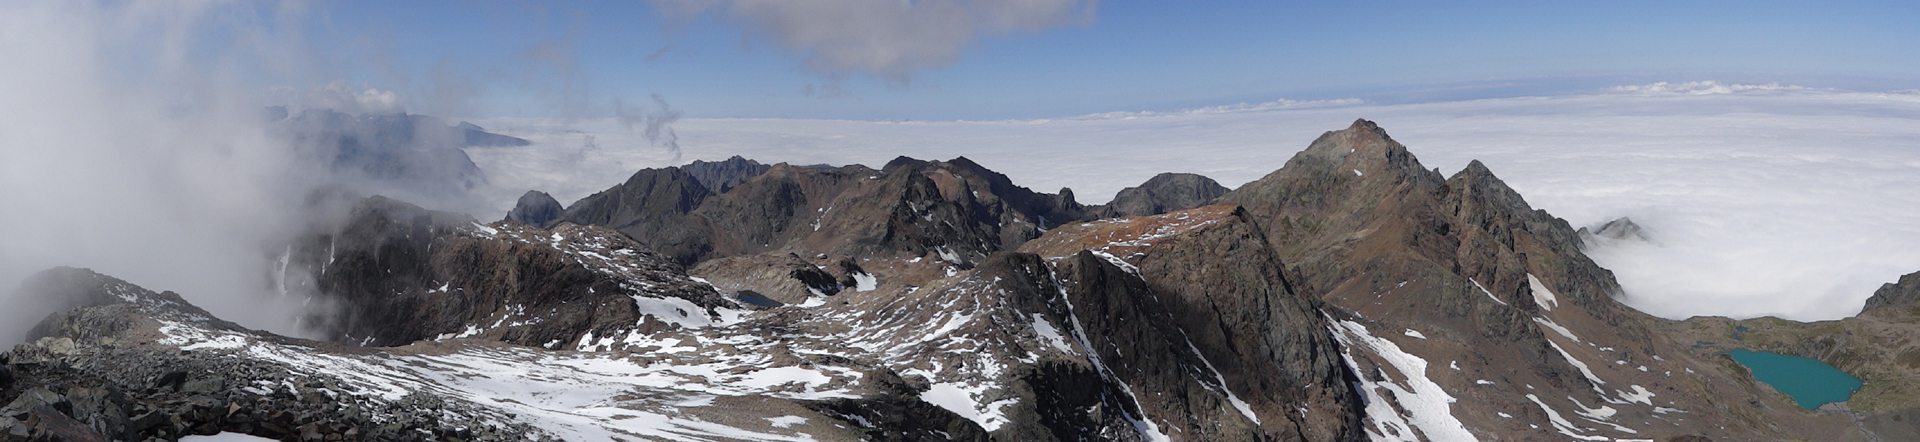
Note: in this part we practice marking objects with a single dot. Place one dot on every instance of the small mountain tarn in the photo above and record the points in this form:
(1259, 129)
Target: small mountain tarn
(1350, 295)
(1811, 383)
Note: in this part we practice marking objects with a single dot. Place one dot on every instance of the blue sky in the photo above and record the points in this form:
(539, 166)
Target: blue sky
(1115, 55)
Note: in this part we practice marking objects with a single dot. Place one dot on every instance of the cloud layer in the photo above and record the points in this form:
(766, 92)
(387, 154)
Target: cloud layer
(886, 38)
(1763, 200)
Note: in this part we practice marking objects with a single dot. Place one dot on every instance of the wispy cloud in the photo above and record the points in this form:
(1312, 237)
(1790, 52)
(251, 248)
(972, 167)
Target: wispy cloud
(339, 96)
(1704, 88)
(887, 38)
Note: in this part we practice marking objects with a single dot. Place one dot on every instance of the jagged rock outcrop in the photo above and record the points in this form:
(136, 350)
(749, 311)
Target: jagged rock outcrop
(395, 273)
(721, 176)
(1166, 192)
(1619, 229)
(1905, 292)
(535, 208)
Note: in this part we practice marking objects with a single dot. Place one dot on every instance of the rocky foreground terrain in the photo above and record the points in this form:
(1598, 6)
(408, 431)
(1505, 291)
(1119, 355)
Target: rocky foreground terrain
(1350, 295)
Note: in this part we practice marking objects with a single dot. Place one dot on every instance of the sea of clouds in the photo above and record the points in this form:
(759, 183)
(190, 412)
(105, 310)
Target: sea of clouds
(1761, 200)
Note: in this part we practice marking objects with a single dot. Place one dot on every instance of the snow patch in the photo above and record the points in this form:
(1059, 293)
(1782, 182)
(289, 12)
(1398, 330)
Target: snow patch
(785, 421)
(1580, 365)
(1542, 295)
(1556, 327)
(225, 437)
(188, 337)
(1639, 395)
(1483, 289)
(1049, 334)
(865, 282)
(672, 310)
(1561, 424)
(1426, 406)
(1117, 262)
(963, 399)
(1245, 410)
(948, 255)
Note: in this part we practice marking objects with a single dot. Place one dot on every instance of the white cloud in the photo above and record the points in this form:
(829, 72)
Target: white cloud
(121, 152)
(339, 96)
(887, 38)
(1703, 88)
(1765, 200)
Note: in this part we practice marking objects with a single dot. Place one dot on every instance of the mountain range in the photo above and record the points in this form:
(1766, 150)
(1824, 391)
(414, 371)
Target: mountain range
(1352, 294)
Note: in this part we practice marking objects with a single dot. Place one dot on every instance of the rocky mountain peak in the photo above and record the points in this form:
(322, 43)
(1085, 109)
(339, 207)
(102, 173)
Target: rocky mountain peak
(1618, 229)
(1166, 192)
(1360, 149)
(77, 289)
(535, 208)
(721, 176)
(1905, 292)
(899, 161)
(652, 206)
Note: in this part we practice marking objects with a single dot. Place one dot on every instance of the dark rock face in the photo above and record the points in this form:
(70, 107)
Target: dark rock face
(535, 208)
(651, 207)
(1166, 192)
(721, 176)
(1212, 300)
(398, 274)
(958, 210)
(1902, 293)
(898, 414)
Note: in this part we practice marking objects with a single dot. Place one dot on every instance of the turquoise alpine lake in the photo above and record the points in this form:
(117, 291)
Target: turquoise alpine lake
(1809, 381)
